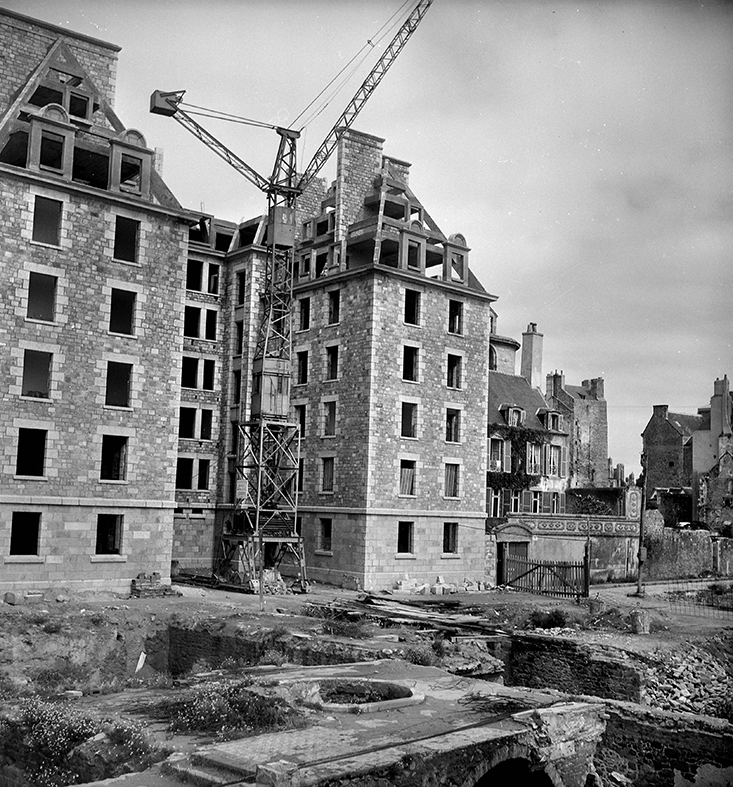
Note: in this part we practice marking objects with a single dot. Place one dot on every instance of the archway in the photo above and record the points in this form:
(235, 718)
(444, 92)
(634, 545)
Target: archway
(514, 772)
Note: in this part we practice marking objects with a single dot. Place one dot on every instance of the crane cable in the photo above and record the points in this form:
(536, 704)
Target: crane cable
(216, 114)
(363, 53)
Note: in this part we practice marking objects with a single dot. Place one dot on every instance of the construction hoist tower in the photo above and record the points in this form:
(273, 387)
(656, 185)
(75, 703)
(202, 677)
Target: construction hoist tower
(268, 448)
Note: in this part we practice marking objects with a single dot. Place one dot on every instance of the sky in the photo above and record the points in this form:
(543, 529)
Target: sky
(584, 149)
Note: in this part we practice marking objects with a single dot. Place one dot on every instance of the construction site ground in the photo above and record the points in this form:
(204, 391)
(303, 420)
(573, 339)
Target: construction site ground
(602, 621)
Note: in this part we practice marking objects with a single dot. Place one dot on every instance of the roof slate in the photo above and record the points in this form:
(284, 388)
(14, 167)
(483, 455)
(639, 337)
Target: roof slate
(516, 390)
(685, 424)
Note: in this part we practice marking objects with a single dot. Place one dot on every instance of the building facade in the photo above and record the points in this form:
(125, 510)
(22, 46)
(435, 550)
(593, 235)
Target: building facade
(93, 248)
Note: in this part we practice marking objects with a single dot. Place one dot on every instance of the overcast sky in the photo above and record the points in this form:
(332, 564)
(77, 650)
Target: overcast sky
(584, 149)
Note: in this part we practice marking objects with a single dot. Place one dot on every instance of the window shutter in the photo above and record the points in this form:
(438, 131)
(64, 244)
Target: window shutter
(545, 470)
(507, 466)
(506, 503)
(527, 457)
(562, 502)
(546, 502)
(564, 463)
(526, 500)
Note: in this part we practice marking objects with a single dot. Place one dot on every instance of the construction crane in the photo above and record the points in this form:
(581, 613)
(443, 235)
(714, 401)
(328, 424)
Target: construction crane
(267, 460)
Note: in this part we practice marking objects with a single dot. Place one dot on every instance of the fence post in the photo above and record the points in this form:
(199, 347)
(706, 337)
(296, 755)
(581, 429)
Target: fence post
(586, 570)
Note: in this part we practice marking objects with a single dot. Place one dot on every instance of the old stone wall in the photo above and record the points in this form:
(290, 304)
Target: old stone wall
(540, 661)
(675, 553)
(655, 748)
(663, 455)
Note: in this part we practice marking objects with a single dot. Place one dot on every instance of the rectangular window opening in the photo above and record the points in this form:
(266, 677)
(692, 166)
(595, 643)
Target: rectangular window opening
(25, 531)
(209, 374)
(184, 473)
(302, 358)
(409, 420)
(329, 419)
(122, 312)
(192, 322)
(241, 287)
(452, 474)
(47, 221)
(42, 297)
(119, 379)
(211, 318)
(455, 317)
(204, 469)
(334, 307)
(300, 417)
(207, 418)
(328, 473)
(412, 307)
(36, 374)
(31, 458)
(405, 532)
(408, 469)
(212, 283)
(450, 538)
(131, 169)
(52, 151)
(126, 238)
(454, 371)
(410, 357)
(114, 458)
(109, 534)
(189, 372)
(186, 422)
(194, 273)
(304, 314)
(325, 533)
(332, 363)
(452, 425)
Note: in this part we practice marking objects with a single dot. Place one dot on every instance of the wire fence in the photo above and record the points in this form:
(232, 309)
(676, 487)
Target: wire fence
(701, 597)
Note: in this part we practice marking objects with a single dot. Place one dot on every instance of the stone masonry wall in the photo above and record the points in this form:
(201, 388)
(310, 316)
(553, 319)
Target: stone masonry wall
(29, 42)
(675, 553)
(359, 162)
(70, 494)
(540, 661)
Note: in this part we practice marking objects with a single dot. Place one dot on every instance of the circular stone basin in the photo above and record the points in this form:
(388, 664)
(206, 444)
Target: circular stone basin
(357, 695)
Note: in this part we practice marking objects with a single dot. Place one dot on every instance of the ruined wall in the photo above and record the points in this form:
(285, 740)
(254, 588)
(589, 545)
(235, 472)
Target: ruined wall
(682, 553)
(663, 455)
(540, 661)
(653, 748)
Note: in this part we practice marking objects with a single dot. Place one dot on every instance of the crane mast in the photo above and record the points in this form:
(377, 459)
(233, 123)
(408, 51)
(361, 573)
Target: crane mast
(268, 448)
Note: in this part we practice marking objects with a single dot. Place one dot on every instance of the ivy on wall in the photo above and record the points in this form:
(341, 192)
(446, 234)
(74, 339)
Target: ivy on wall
(518, 437)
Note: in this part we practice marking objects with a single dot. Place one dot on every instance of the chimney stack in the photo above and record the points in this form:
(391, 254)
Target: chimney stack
(661, 410)
(531, 366)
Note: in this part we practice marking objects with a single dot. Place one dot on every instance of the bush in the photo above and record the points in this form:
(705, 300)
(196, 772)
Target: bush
(420, 653)
(554, 619)
(230, 708)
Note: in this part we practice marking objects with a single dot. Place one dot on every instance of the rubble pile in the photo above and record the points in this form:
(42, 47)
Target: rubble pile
(690, 680)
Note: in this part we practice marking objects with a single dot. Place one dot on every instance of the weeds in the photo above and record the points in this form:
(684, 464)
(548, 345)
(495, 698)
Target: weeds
(230, 709)
(554, 619)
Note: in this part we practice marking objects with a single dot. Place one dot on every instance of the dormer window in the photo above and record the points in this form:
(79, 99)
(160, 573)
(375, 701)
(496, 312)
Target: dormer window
(130, 164)
(513, 415)
(51, 141)
(553, 422)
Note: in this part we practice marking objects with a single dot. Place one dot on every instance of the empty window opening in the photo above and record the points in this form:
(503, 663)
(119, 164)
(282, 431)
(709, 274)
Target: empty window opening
(454, 371)
(119, 379)
(90, 168)
(192, 322)
(200, 232)
(204, 469)
(223, 241)
(389, 253)
(492, 359)
(211, 317)
(235, 437)
(457, 266)
(31, 458)
(450, 538)
(413, 255)
(301, 475)
(212, 283)
(328, 473)
(241, 288)
(207, 418)
(209, 375)
(334, 307)
(452, 425)
(109, 534)
(407, 476)
(126, 235)
(325, 533)
(304, 314)
(114, 458)
(409, 420)
(47, 221)
(187, 422)
(194, 273)
(329, 418)
(405, 533)
(52, 151)
(455, 317)
(452, 473)
(36, 374)
(410, 356)
(24, 533)
(130, 171)
(332, 363)
(184, 473)
(305, 265)
(238, 337)
(44, 95)
(300, 417)
(322, 226)
(79, 106)
(412, 307)
(302, 358)
(122, 312)
(41, 297)
(189, 372)
(321, 260)
(237, 385)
